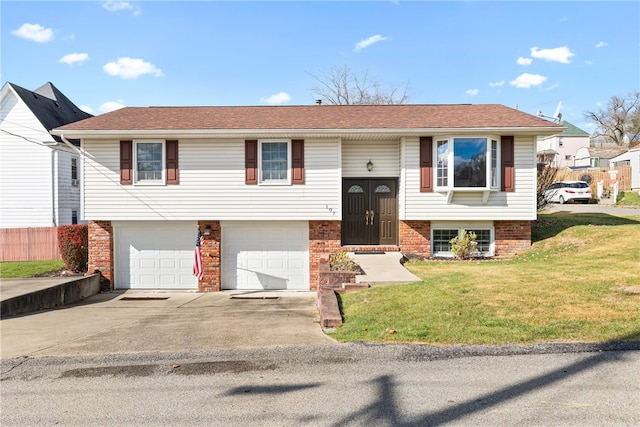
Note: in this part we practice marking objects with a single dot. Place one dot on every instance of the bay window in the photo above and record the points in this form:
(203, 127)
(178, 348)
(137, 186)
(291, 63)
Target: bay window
(467, 163)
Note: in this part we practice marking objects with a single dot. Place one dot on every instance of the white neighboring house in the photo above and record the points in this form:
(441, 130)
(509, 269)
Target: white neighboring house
(39, 174)
(631, 158)
(597, 157)
(560, 150)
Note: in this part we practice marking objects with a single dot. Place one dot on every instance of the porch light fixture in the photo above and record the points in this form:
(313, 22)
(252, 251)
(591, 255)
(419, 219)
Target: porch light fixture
(369, 166)
(207, 230)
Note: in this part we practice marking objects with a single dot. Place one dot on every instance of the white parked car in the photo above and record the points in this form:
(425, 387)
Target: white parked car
(568, 191)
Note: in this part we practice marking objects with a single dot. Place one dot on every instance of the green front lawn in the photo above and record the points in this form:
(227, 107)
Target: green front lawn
(629, 199)
(579, 282)
(23, 269)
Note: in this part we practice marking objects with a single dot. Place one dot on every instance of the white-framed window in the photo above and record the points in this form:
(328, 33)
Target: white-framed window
(467, 163)
(441, 241)
(274, 161)
(149, 161)
(74, 172)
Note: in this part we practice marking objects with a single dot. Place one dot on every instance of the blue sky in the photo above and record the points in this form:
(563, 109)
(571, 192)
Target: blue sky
(529, 55)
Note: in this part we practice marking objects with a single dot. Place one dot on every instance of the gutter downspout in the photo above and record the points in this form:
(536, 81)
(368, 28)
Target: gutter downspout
(70, 145)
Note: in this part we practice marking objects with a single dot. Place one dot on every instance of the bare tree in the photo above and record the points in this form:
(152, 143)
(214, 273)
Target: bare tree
(620, 121)
(342, 86)
(547, 175)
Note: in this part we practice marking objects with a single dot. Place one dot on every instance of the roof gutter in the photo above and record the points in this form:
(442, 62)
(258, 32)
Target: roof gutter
(195, 133)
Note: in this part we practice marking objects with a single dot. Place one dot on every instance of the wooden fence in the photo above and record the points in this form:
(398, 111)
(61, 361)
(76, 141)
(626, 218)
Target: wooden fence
(623, 176)
(29, 244)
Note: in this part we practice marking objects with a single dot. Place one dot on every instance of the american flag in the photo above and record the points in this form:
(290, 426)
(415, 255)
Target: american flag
(197, 263)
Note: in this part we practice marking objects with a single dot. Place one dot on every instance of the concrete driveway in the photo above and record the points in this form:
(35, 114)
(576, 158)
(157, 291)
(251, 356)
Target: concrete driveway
(137, 321)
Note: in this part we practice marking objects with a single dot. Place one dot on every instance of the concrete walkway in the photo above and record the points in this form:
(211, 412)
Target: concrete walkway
(382, 268)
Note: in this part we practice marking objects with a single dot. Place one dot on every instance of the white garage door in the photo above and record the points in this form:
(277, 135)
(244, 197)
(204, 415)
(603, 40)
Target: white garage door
(265, 255)
(154, 254)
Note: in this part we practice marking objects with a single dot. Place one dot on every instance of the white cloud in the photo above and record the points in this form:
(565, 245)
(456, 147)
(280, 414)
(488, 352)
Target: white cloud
(497, 84)
(368, 42)
(117, 6)
(527, 80)
(131, 68)
(73, 58)
(34, 32)
(524, 61)
(473, 92)
(278, 98)
(601, 44)
(86, 109)
(558, 54)
(110, 106)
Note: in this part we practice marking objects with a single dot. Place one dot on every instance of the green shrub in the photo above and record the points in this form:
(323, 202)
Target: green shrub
(73, 242)
(464, 246)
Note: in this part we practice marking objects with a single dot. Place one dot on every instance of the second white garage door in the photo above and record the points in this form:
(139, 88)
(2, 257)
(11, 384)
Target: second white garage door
(265, 255)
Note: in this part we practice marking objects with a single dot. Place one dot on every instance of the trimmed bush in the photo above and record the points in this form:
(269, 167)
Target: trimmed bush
(73, 242)
(465, 245)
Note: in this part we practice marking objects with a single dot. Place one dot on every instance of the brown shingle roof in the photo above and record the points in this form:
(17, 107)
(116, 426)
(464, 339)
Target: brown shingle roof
(312, 117)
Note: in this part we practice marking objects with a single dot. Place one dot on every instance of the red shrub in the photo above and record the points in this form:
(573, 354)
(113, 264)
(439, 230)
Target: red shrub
(73, 242)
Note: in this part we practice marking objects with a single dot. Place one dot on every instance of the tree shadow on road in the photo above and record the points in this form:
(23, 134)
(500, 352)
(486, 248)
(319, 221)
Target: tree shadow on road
(386, 409)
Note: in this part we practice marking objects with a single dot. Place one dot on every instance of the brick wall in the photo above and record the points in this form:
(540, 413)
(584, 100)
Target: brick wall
(324, 238)
(101, 250)
(415, 237)
(211, 277)
(512, 237)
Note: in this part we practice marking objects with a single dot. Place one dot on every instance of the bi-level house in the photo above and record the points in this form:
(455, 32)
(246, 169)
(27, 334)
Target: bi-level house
(39, 174)
(273, 188)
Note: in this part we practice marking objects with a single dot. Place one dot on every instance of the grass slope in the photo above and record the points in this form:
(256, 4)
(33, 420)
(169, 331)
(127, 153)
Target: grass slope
(579, 282)
(22, 269)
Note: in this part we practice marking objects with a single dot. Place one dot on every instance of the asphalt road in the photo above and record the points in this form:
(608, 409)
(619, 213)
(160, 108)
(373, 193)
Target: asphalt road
(344, 385)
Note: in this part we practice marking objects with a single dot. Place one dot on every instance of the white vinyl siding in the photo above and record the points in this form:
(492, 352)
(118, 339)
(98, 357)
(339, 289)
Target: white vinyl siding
(212, 185)
(35, 179)
(469, 205)
(385, 156)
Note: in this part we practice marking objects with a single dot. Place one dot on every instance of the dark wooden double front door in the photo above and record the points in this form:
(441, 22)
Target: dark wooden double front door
(369, 212)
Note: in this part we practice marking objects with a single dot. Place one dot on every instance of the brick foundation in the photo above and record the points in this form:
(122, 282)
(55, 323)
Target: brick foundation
(415, 237)
(101, 250)
(324, 239)
(512, 237)
(211, 278)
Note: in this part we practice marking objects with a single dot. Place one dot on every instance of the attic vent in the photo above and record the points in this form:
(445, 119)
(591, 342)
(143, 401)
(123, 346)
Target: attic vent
(56, 104)
(34, 95)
